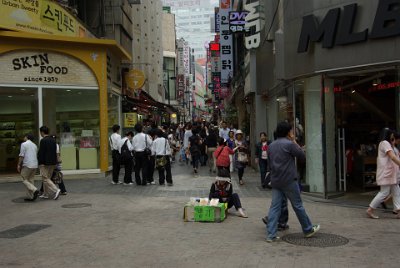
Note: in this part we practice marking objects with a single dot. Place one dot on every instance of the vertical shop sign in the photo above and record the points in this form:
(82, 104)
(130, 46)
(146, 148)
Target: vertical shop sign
(226, 42)
(217, 20)
(181, 86)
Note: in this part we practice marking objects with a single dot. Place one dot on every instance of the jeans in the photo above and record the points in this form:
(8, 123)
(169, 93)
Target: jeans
(263, 164)
(292, 192)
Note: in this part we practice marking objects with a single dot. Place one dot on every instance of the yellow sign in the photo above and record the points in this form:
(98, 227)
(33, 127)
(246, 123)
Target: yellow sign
(135, 79)
(39, 16)
(130, 119)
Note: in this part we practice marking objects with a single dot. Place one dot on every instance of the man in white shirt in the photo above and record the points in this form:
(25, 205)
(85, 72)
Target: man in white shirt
(224, 131)
(126, 157)
(27, 165)
(141, 143)
(162, 149)
(115, 139)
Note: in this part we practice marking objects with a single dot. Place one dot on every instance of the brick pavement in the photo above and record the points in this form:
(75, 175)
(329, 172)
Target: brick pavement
(129, 226)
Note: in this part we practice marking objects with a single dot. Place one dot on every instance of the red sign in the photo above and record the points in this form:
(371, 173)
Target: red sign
(214, 46)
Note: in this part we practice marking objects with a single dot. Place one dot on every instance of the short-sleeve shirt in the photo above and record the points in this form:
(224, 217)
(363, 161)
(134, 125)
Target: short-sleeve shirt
(386, 169)
(29, 153)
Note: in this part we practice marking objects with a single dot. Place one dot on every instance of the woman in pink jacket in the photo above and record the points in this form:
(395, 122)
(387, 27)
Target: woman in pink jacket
(387, 167)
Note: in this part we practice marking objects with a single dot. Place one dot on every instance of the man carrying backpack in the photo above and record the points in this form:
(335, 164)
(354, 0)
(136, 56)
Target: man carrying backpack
(125, 149)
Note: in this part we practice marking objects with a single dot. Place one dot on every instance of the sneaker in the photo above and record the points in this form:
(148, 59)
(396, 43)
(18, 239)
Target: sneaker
(43, 196)
(152, 183)
(35, 195)
(275, 239)
(313, 231)
(148, 183)
(170, 184)
(114, 183)
(57, 194)
(63, 193)
(130, 183)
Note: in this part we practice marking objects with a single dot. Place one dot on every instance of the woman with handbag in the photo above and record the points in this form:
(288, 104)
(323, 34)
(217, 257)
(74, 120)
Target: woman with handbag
(241, 158)
(162, 152)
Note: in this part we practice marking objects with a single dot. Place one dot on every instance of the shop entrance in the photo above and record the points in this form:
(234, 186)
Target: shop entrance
(365, 102)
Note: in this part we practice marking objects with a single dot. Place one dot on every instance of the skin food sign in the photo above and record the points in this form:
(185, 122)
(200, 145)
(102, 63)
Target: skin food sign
(44, 68)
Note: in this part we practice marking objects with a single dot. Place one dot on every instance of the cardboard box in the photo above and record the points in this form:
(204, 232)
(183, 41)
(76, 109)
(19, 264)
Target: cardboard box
(205, 213)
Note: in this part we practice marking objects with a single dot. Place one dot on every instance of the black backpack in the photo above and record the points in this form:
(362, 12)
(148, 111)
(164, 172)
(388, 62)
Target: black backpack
(126, 155)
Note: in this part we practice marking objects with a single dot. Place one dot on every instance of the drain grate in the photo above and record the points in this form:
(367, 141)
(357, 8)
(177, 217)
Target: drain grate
(22, 230)
(76, 205)
(321, 240)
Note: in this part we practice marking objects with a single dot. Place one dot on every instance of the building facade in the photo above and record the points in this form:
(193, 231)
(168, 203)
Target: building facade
(332, 71)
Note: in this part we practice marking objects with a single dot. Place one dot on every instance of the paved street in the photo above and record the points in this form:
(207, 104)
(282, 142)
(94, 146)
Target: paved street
(136, 226)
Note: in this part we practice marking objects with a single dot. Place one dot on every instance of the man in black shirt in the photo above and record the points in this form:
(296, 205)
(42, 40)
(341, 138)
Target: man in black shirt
(47, 160)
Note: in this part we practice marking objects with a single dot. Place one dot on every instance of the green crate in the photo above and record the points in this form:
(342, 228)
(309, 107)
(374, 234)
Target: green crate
(209, 213)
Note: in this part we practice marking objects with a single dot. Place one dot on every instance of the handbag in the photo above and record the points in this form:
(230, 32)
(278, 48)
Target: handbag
(161, 162)
(57, 177)
(242, 157)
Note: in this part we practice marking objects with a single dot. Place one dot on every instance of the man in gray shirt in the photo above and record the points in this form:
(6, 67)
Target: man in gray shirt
(281, 154)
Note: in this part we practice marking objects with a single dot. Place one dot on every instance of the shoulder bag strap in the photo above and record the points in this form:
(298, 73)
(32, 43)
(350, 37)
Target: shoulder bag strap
(220, 152)
(165, 146)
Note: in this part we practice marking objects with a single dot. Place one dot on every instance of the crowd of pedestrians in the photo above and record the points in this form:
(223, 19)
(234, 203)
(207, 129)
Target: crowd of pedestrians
(155, 147)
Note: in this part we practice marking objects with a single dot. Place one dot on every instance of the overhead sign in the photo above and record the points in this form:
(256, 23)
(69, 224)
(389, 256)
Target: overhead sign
(135, 79)
(40, 16)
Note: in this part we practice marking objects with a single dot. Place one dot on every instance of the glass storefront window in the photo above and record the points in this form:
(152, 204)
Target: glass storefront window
(19, 116)
(73, 115)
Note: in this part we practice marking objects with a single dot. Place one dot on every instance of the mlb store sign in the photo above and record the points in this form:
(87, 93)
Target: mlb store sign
(337, 27)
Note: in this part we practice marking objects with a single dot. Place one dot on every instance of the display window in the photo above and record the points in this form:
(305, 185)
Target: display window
(19, 116)
(72, 114)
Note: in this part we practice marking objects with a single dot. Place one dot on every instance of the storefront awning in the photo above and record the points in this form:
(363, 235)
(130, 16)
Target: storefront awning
(145, 104)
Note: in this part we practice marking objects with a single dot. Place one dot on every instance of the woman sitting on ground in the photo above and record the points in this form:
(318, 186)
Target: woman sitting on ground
(222, 189)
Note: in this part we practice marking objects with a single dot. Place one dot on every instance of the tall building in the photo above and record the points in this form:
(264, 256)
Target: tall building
(193, 22)
(147, 45)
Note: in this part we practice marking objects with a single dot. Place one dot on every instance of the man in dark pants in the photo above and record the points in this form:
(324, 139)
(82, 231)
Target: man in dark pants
(115, 139)
(141, 143)
(125, 149)
(152, 158)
